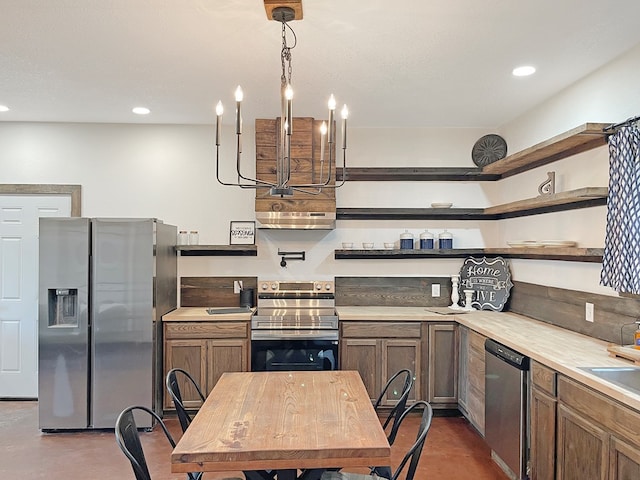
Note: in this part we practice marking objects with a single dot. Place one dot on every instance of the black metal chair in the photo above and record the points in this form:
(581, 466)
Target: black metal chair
(185, 418)
(128, 439)
(174, 390)
(394, 414)
(411, 458)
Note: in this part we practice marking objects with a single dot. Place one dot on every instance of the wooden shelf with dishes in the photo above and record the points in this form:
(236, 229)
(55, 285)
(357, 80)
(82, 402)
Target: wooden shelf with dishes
(570, 254)
(580, 139)
(570, 200)
(217, 250)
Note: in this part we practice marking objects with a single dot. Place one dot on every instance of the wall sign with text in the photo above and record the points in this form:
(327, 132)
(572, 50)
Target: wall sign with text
(242, 233)
(490, 280)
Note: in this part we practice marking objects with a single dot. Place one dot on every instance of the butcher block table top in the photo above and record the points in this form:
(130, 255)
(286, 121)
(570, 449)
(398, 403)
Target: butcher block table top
(283, 421)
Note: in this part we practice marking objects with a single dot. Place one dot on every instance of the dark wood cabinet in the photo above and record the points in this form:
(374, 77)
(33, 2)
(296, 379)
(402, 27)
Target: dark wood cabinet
(206, 350)
(471, 376)
(378, 350)
(597, 437)
(442, 365)
(583, 449)
(543, 422)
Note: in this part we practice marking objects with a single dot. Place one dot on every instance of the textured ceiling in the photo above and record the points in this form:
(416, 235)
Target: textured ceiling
(417, 63)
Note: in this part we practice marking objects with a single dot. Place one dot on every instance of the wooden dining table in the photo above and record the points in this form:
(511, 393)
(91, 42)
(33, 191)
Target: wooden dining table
(283, 421)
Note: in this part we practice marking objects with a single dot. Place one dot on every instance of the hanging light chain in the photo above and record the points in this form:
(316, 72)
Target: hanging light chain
(285, 55)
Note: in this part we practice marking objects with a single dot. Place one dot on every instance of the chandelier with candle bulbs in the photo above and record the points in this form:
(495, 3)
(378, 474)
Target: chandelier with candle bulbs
(283, 185)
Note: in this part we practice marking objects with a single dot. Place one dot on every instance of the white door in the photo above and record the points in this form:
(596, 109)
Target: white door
(19, 216)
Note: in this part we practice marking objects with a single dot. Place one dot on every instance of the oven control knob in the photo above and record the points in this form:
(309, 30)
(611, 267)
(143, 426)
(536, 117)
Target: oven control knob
(264, 286)
(318, 286)
(274, 286)
(327, 286)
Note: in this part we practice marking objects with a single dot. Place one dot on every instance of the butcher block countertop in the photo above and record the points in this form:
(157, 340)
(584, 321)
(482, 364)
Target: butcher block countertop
(199, 314)
(558, 348)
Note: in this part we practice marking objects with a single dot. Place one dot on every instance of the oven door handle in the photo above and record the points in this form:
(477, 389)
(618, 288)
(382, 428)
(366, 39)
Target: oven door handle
(294, 335)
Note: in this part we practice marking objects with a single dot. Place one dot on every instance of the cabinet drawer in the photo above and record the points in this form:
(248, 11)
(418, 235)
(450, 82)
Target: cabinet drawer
(177, 330)
(476, 370)
(544, 378)
(380, 329)
(476, 341)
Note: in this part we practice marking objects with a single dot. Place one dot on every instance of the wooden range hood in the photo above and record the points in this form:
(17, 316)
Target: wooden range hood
(301, 210)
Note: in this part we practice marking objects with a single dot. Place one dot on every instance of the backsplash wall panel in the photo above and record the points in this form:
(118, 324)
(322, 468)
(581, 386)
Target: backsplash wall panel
(213, 291)
(392, 291)
(566, 309)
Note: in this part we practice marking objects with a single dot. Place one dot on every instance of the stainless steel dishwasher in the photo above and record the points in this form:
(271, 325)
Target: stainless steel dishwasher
(506, 391)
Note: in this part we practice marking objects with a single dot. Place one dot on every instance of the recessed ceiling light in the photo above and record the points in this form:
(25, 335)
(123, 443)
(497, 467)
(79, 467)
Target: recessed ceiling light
(141, 111)
(4, 108)
(523, 71)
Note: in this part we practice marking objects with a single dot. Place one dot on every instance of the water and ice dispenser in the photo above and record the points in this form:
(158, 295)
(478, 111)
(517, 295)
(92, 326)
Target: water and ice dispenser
(63, 307)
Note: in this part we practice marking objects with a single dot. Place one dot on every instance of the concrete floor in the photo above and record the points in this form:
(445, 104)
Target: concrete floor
(453, 451)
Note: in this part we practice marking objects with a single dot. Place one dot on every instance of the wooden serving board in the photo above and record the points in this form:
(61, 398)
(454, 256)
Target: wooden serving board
(626, 351)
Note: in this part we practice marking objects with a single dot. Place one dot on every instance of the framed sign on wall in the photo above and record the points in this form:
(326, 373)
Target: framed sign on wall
(490, 281)
(242, 233)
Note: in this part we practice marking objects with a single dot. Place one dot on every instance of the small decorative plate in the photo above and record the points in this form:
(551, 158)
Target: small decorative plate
(441, 205)
(558, 243)
(488, 149)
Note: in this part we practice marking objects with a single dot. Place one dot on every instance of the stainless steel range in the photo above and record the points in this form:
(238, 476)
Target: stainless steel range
(295, 326)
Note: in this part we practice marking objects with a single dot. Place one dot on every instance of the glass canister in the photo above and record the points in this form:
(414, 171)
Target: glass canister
(183, 237)
(194, 238)
(426, 240)
(406, 240)
(445, 240)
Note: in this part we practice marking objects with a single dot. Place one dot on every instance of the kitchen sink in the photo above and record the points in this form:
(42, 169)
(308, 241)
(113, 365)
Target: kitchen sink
(626, 377)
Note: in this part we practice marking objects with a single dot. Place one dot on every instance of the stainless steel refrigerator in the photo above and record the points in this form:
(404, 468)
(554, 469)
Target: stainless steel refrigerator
(104, 286)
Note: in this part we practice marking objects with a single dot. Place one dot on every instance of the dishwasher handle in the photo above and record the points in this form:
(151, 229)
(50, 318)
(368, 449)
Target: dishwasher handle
(516, 359)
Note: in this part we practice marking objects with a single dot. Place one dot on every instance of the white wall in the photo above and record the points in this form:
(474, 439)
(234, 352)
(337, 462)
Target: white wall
(168, 171)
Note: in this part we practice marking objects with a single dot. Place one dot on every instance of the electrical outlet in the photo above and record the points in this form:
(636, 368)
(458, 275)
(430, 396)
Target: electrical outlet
(435, 289)
(237, 286)
(588, 312)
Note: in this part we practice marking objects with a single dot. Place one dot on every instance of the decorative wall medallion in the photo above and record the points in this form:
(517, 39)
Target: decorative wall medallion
(488, 149)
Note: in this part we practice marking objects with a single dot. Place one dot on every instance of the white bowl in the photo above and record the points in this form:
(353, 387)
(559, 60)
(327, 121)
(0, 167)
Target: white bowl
(441, 205)
(389, 246)
(367, 246)
(347, 246)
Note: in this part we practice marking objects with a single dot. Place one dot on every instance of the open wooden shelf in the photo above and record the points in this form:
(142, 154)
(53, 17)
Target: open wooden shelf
(580, 139)
(571, 254)
(410, 214)
(217, 250)
(416, 174)
(570, 200)
(580, 198)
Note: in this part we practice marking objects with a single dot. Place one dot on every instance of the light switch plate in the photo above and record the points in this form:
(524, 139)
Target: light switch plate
(435, 289)
(588, 312)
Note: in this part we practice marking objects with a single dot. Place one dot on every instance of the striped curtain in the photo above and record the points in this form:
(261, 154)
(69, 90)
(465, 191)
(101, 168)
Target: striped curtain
(621, 262)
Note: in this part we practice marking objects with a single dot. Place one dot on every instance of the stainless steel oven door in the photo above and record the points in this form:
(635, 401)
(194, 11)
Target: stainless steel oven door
(293, 350)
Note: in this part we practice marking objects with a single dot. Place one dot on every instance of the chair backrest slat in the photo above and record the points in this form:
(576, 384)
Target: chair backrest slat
(173, 386)
(394, 414)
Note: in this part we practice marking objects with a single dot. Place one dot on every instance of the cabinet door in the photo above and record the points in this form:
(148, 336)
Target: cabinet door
(396, 355)
(624, 461)
(583, 447)
(443, 364)
(225, 356)
(190, 355)
(543, 435)
(363, 355)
